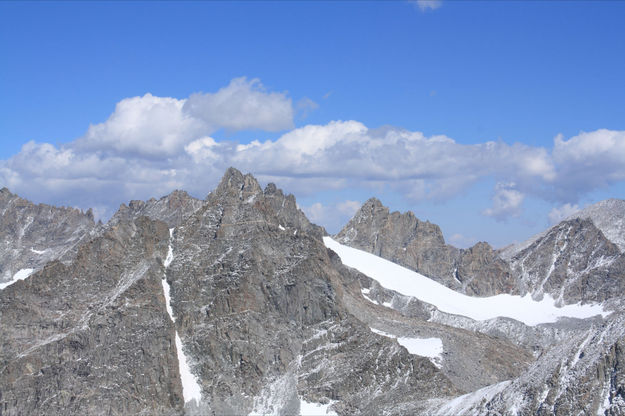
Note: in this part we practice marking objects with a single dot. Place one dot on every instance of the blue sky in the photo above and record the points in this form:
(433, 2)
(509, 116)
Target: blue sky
(473, 72)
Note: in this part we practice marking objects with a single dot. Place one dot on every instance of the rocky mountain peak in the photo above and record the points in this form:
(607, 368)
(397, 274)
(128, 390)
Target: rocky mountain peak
(172, 209)
(609, 217)
(235, 185)
(573, 261)
(419, 245)
(31, 234)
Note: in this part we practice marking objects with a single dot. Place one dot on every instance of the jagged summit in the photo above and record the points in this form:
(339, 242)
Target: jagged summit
(35, 234)
(420, 246)
(172, 209)
(608, 216)
(236, 185)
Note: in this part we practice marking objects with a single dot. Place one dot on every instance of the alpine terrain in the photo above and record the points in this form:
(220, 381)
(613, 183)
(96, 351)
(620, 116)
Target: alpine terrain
(238, 305)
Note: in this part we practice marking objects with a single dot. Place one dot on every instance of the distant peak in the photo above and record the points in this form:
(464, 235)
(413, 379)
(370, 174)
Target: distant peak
(373, 201)
(234, 183)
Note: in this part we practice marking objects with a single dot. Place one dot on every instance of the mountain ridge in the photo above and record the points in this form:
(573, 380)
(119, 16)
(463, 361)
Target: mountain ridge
(270, 319)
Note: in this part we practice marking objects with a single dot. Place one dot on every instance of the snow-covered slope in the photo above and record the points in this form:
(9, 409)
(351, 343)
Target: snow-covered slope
(407, 282)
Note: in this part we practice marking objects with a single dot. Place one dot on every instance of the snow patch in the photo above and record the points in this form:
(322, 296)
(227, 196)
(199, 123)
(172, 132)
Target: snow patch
(190, 387)
(431, 348)
(38, 251)
(191, 390)
(20, 275)
(281, 227)
(315, 409)
(170, 251)
(407, 282)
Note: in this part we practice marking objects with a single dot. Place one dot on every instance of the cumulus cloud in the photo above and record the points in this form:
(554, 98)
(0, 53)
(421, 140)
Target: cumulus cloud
(507, 201)
(242, 105)
(588, 161)
(151, 145)
(149, 126)
(558, 214)
(158, 127)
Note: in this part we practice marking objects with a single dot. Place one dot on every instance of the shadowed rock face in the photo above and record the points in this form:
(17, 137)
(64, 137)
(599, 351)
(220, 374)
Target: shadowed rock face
(32, 235)
(92, 337)
(420, 246)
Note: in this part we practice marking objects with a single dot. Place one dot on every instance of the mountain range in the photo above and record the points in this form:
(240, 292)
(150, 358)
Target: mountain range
(238, 304)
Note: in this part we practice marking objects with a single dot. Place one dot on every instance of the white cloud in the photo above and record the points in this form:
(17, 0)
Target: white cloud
(242, 105)
(334, 216)
(558, 214)
(149, 126)
(425, 5)
(348, 207)
(506, 201)
(152, 145)
(588, 161)
(158, 127)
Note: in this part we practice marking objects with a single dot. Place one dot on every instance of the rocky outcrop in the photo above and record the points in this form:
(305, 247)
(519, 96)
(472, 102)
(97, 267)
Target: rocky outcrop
(32, 235)
(420, 246)
(582, 375)
(172, 209)
(608, 216)
(92, 337)
(573, 262)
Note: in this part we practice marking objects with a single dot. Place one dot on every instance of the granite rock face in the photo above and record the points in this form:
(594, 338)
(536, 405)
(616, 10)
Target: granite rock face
(172, 209)
(92, 337)
(420, 246)
(573, 262)
(31, 235)
(267, 316)
(258, 303)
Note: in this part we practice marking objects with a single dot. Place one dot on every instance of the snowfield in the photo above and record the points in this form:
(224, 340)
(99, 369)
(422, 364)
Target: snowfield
(409, 283)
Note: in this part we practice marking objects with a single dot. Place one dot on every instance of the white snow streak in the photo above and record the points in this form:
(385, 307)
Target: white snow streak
(190, 387)
(407, 282)
(170, 251)
(315, 409)
(20, 275)
(37, 251)
(462, 405)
